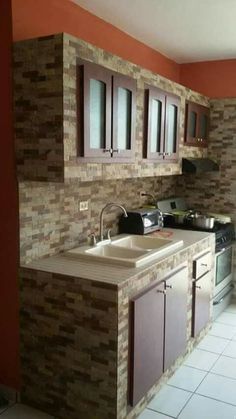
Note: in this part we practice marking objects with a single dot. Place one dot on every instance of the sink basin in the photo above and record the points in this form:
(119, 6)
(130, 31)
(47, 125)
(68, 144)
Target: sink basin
(141, 242)
(132, 251)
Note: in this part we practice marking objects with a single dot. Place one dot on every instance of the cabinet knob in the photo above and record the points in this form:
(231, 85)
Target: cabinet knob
(169, 286)
(203, 264)
(161, 292)
(199, 287)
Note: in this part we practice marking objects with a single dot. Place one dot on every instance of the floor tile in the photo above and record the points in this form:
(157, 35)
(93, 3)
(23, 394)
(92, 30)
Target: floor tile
(222, 330)
(231, 308)
(187, 378)
(150, 414)
(205, 408)
(169, 400)
(227, 318)
(225, 366)
(230, 349)
(201, 360)
(213, 344)
(20, 411)
(219, 388)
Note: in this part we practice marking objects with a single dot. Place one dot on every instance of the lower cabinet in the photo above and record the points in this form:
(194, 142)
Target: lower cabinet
(201, 303)
(175, 317)
(158, 323)
(202, 274)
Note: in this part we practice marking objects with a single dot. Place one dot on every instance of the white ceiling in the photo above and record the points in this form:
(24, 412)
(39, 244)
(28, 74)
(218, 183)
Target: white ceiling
(183, 30)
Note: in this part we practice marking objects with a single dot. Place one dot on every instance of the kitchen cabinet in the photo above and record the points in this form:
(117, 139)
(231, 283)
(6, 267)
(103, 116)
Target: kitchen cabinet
(146, 343)
(202, 287)
(196, 124)
(175, 316)
(162, 125)
(106, 114)
(155, 316)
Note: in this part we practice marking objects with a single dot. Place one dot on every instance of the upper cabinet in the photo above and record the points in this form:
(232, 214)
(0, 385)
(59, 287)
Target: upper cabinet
(196, 125)
(162, 125)
(106, 114)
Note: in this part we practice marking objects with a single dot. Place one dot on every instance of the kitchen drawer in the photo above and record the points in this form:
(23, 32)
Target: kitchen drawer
(201, 265)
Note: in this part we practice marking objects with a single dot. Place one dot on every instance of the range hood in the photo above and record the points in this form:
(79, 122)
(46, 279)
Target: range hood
(199, 165)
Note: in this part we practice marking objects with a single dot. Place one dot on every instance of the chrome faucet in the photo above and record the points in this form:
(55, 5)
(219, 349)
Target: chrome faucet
(109, 205)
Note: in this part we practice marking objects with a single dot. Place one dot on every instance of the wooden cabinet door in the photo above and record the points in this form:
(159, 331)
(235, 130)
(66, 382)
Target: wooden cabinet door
(201, 303)
(155, 123)
(175, 316)
(172, 122)
(123, 116)
(146, 341)
(95, 138)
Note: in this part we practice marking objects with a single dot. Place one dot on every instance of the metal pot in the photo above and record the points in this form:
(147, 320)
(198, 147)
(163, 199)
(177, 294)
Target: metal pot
(203, 221)
(178, 217)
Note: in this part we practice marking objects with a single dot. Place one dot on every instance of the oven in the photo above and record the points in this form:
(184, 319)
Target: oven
(223, 280)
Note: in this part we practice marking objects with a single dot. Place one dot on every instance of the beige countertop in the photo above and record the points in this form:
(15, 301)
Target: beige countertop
(114, 274)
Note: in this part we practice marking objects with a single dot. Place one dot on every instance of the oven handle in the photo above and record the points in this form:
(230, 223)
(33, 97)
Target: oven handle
(215, 303)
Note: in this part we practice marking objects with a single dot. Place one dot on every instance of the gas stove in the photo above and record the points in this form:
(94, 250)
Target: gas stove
(224, 232)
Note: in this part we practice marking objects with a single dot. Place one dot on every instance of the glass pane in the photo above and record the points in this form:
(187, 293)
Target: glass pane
(170, 145)
(203, 126)
(156, 110)
(97, 113)
(124, 119)
(223, 265)
(192, 124)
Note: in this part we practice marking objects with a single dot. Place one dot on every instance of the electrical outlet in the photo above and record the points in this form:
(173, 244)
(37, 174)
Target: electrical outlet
(141, 194)
(83, 206)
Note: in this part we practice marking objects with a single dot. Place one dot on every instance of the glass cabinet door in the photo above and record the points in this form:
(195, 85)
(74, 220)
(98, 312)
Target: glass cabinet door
(203, 125)
(171, 127)
(155, 121)
(196, 124)
(96, 103)
(123, 117)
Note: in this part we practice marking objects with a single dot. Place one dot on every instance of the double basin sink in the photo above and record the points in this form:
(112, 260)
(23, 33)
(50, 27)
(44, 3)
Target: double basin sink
(131, 251)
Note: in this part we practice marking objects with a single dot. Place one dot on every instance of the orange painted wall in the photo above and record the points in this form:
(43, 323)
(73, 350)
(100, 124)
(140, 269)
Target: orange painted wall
(9, 318)
(215, 79)
(33, 18)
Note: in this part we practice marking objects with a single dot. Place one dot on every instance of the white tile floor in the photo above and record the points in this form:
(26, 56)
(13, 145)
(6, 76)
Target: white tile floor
(205, 385)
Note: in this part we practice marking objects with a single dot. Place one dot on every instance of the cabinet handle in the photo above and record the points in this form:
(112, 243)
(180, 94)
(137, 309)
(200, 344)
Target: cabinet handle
(167, 154)
(161, 292)
(199, 287)
(203, 264)
(116, 150)
(169, 286)
(161, 154)
(107, 150)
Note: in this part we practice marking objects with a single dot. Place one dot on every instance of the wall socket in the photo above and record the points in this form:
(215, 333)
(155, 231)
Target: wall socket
(83, 206)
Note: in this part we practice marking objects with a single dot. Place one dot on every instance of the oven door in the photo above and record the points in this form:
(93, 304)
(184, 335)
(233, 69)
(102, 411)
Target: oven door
(223, 266)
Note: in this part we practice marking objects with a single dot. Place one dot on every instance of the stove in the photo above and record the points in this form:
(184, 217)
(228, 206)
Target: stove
(224, 232)
(224, 235)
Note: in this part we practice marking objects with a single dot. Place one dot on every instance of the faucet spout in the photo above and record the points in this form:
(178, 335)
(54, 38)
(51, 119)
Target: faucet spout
(109, 205)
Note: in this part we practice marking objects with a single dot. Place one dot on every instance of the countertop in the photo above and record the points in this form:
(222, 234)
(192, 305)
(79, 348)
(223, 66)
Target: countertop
(113, 274)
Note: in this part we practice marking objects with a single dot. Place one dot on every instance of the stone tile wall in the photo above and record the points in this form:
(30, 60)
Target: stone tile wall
(46, 119)
(50, 220)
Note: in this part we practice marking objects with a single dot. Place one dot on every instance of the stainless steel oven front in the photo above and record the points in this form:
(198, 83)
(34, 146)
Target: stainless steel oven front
(223, 269)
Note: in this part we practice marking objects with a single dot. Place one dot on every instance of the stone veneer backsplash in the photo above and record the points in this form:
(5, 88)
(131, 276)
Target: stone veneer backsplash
(50, 220)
